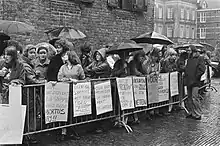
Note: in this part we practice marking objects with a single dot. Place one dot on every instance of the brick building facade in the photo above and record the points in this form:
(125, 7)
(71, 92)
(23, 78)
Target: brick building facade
(103, 21)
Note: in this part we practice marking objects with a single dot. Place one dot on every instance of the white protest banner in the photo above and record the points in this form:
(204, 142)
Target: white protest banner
(204, 76)
(56, 102)
(163, 87)
(103, 97)
(174, 90)
(152, 86)
(185, 90)
(15, 95)
(82, 104)
(140, 93)
(125, 92)
(12, 124)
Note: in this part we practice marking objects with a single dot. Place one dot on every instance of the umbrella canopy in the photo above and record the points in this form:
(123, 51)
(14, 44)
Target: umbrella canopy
(4, 36)
(125, 47)
(15, 26)
(207, 46)
(158, 46)
(185, 46)
(66, 32)
(152, 38)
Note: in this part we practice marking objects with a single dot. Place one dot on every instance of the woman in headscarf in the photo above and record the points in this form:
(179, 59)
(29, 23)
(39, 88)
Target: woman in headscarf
(99, 68)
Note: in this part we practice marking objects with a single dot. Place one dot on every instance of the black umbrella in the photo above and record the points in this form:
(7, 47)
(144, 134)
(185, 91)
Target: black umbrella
(185, 46)
(208, 47)
(125, 47)
(152, 38)
(4, 36)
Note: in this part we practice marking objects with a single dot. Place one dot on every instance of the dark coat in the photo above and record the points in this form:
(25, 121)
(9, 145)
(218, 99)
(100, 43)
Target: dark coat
(53, 68)
(195, 68)
(120, 69)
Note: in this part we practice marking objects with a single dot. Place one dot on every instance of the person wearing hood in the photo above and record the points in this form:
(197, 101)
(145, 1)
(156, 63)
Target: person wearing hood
(195, 68)
(99, 68)
(169, 63)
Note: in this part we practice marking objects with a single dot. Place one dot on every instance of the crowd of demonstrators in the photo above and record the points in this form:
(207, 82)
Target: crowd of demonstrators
(33, 64)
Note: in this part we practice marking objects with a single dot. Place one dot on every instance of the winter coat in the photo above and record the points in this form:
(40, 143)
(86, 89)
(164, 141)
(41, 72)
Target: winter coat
(53, 68)
(195, 68)
(150, 67)
(85, 61)
(99, 69)
(168, 66)
(14, 74)
(41, 69)
(76, 72)
(120, 69)
(135, 68)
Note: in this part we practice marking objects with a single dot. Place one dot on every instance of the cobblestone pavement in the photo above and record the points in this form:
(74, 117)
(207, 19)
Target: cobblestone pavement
(172, 130)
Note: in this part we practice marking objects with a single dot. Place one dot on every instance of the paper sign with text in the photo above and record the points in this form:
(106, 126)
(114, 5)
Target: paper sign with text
(163, 87)
(12, 119)
(152, 88)
(103, 97)
(15, 95)
(174, 90)
(82, 104)
(140, 93)
(56, 102)
(125, 92)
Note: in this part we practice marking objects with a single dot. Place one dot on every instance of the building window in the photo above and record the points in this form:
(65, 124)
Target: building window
(187, 14)
(202, 17)
(202, 33)
(193, 15)
(187, 32)
(160, 29)
(170, 13)
(169, 31)
(182, 14)
(181, 31)
(193, 33)
(160, 12)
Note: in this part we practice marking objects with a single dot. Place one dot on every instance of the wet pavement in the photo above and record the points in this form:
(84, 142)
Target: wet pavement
(171, 130)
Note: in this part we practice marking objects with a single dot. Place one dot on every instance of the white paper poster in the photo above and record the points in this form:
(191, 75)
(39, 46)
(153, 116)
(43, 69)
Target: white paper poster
(125, 92)
(82, 104)
(103, 97)
(174, 90)
(140, 93)
(56, 102)
(12, 119)
(152, 88)
(15, 95)
(163, 87)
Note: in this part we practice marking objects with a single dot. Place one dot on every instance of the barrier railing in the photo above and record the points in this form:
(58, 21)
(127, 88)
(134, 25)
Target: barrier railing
(34, 97)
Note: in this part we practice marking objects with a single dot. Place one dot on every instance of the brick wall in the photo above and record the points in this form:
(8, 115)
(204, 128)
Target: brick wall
(100, 23)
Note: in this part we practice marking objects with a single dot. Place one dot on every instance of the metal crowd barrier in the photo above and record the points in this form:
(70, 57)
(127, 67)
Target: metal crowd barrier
(33, 96)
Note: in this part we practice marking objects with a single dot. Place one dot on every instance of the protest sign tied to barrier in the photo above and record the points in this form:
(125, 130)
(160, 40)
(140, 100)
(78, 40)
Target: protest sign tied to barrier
(140, 92)
(125, 92)
(103, 97)
(174, 90)
(152, 86)
(56, 102)
(82, 104)
(163, 87)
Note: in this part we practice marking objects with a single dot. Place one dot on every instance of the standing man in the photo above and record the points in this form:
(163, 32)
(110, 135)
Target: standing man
(195, 68)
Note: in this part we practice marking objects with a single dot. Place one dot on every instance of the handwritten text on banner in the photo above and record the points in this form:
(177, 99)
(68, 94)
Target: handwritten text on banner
(125, 92)
(103, 97)
(163, 87)
(174, 90)
(140, 94)
(152, 86)
(82, 99)
(56, 102)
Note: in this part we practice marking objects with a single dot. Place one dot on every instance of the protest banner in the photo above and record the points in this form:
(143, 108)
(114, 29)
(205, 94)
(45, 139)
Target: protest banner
(12, 119)
(15, 95)
(205, 75)
(152, 86)
(56, 102)
(125, 92)
(140, 93)
(103, 97)
(82, 104)
(163, 87)
(174, 90)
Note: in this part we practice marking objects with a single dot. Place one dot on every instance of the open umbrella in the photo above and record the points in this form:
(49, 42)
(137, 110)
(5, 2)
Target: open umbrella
(185, 46)
(4, 36)
(15, 26)
(152, 38)
(66, 32)
(208, 47)
(125, 47)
